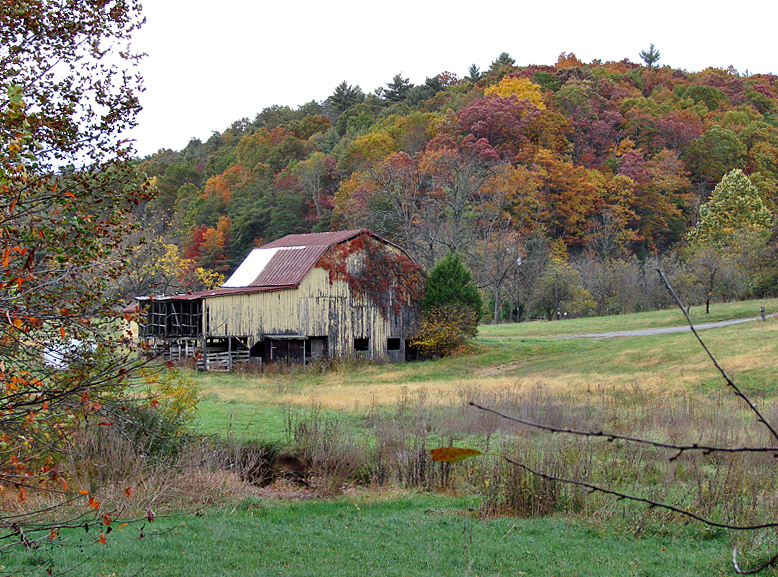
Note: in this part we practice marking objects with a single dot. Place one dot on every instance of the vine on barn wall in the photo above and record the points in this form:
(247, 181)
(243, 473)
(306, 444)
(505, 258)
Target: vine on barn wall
(387, 277)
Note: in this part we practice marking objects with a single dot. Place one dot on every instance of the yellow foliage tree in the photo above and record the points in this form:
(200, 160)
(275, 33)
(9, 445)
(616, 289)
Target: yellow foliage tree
(173, 272)
(523, 88)
(173, 395)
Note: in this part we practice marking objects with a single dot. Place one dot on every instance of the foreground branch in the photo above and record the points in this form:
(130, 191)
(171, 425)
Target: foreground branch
(730, 383)
(678, 449)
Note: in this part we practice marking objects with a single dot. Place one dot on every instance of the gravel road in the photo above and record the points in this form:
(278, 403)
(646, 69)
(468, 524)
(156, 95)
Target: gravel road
(663, 330)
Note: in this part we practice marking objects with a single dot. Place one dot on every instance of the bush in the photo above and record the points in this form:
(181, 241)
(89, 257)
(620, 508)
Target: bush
(443, 330)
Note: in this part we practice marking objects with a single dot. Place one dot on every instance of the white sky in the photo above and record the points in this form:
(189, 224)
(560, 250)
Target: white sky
(212, 63)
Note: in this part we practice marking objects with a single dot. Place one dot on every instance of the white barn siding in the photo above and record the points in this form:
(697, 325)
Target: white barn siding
(315, 309)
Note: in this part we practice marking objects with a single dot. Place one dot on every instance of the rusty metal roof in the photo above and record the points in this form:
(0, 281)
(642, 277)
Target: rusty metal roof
(326, 239)
(285, 262)
(279, 265)
(288, 266)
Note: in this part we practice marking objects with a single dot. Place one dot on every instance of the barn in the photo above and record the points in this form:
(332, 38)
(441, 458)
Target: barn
(297, 299)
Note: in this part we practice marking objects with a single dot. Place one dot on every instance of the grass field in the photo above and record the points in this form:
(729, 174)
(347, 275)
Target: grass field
(510, 356)
(411, 535)
(478, 518)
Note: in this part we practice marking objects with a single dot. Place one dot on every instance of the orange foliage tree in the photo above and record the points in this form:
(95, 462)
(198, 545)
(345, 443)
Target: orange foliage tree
(67, 189)
(207, 246)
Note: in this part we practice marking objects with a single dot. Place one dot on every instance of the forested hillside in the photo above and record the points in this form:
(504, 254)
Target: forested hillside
(563, 185)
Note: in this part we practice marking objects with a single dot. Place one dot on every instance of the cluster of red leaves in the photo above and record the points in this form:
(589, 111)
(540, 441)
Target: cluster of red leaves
(389, 278)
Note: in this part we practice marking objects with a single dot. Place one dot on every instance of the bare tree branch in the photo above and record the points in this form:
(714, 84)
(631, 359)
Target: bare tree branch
(730, 383)
(677, 448)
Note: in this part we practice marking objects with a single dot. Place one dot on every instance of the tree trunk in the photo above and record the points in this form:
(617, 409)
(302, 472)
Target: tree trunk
(497, 303)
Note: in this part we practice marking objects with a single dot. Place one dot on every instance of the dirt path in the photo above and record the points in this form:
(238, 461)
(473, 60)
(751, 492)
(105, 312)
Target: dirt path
(663, 330)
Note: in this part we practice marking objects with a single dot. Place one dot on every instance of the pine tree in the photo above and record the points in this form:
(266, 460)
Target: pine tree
(450, 284)
(504, 59)
(398, 88)
(650, 56)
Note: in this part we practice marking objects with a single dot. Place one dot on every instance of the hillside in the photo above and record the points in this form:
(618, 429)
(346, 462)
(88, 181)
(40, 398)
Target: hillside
(605, 160)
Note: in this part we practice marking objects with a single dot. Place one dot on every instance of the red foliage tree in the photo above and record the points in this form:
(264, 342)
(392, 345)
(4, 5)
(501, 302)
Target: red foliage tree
(385, 276)
(502, 121)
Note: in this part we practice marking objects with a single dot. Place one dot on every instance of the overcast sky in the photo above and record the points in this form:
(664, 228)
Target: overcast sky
(212, 63)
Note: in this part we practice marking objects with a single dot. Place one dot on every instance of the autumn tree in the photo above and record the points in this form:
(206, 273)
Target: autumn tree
(560, 291)
(314, 176)
(502, 120)
(568, 60)
(522, 88)
(734, 206)
(570, 194)
(454, 173)
(658, 201)
(535, 254)
(712, 155)
(403, 208)
(67, 188)
(733, 229)
(507, 215)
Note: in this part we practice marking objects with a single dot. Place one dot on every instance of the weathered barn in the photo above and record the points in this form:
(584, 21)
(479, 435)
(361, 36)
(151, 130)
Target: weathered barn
(302, 297)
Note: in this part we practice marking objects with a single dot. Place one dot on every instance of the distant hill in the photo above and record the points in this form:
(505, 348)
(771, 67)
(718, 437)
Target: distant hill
(561, 150)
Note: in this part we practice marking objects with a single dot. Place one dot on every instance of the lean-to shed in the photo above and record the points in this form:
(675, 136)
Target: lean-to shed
(299, 298)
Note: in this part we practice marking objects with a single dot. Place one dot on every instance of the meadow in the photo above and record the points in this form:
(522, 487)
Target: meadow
(374, 503)
(517, 357)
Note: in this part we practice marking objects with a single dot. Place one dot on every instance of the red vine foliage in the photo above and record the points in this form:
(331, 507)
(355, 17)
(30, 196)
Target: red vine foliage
(389, 278)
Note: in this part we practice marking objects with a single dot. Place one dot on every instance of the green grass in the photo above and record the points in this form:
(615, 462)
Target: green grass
(526, 354)
(422, 535)
(654, 319)
(428, 535)
(241, 420)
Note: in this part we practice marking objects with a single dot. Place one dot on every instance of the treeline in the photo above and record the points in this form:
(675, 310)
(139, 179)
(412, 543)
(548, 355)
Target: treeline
(571, 168)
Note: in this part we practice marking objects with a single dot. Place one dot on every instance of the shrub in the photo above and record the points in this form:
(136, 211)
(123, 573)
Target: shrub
(442, 330)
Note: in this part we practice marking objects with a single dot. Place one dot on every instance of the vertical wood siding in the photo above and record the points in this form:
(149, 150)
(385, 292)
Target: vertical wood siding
(317, 308)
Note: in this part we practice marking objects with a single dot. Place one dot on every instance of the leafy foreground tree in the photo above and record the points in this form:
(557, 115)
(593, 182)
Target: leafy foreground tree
(734, 206)
(67, 188)
(451, 308)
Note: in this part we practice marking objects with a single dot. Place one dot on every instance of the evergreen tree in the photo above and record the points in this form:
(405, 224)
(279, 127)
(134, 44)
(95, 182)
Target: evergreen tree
(397, 89)
(504, 59)
(344, 97)
(650, 56)
(451, 309)
(474, 74)
(450, 284)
